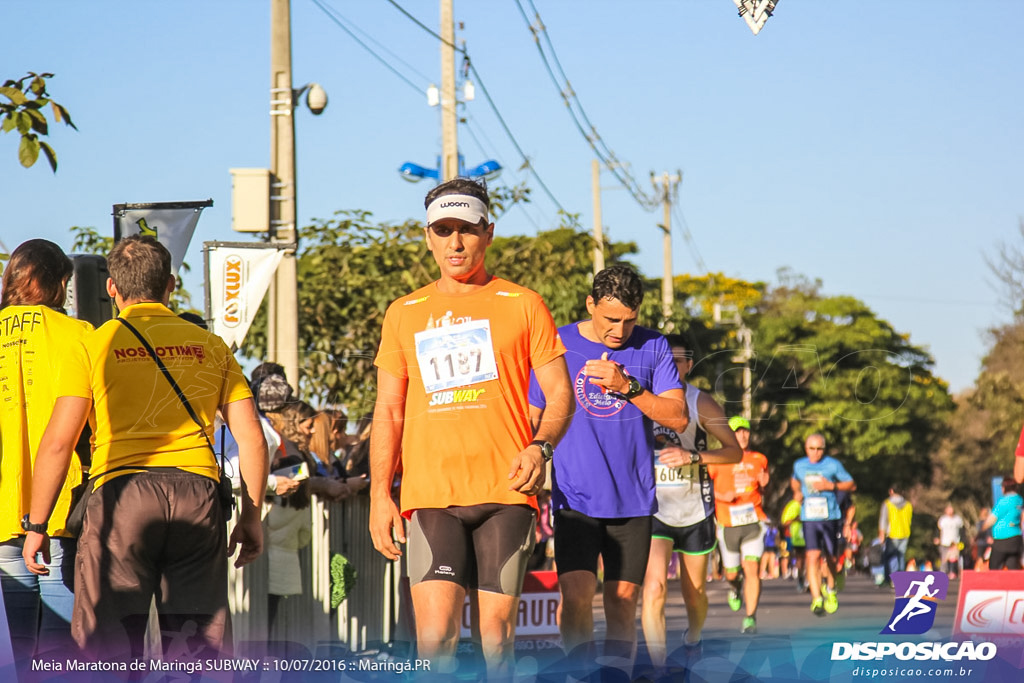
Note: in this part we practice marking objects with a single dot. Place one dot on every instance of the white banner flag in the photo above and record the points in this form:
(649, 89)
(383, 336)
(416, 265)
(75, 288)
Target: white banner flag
(172, 223)
(238, 277)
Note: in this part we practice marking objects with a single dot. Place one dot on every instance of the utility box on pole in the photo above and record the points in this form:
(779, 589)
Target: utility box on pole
(250, 199)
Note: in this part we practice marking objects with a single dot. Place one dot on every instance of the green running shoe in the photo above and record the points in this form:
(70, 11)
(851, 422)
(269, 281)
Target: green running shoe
(818, 607)
(749, 625)
(734, 600)
(840, 580)
(831, 601)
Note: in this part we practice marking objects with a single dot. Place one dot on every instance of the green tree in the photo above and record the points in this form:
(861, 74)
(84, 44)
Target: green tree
(984, 430)
(828, 364)
(24, 111)
(717, 343)
(89, 241)
(557, 264)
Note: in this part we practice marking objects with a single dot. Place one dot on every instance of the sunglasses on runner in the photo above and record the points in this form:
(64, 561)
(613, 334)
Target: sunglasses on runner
(464, 229)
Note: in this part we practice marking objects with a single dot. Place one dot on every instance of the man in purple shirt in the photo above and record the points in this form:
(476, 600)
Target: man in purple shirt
(624, 380)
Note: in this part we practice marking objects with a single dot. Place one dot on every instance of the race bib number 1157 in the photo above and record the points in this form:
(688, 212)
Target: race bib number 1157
(456, 355)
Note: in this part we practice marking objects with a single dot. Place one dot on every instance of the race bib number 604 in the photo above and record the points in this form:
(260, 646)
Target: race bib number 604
(456, 355)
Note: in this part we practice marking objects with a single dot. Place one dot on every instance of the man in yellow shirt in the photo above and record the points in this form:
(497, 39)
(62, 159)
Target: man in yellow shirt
(894, 531)
(154, 526)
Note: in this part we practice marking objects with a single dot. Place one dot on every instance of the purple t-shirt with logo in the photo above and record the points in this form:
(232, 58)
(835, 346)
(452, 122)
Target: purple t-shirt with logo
(604, 465)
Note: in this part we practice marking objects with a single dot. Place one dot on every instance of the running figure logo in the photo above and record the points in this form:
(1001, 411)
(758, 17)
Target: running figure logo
(914, 612)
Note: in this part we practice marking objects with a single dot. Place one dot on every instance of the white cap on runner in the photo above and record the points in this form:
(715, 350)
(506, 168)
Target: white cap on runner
(460, 206)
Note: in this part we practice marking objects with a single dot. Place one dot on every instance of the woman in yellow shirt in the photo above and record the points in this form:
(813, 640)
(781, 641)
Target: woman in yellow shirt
(35, 335)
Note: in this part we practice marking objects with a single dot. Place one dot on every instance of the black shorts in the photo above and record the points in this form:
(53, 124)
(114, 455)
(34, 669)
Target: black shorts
(696, 539)
(476, 546)
(623, 543)
(1005, 553)
(825, 535)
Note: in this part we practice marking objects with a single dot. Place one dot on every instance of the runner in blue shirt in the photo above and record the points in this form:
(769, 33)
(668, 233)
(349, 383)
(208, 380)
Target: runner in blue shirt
(818, 477)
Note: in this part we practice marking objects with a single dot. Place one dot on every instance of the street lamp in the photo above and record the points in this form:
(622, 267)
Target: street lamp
(415, 173)
(488, 170)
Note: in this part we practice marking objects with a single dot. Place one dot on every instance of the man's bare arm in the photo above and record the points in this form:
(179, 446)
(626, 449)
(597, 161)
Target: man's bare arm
(527, 470)
(553, 378)
(385, 453)
(244, 423)
(711, 416)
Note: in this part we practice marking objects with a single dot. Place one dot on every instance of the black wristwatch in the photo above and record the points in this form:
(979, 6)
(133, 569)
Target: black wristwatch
(694, 457)
(28, 526)
(546, 449)
(635, 388)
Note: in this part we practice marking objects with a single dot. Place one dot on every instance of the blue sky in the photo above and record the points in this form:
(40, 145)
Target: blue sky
(875, 145)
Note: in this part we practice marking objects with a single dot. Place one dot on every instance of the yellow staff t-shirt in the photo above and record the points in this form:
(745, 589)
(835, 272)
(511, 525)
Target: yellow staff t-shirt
(33, 341)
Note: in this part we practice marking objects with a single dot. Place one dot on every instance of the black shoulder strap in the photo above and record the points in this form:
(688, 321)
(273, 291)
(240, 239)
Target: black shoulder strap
(174, 385)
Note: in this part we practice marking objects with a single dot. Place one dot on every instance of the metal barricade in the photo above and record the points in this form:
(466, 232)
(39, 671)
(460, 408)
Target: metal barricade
(367, 619)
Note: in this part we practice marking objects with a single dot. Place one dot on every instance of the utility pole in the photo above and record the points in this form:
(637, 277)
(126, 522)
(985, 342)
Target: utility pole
(595, 179)
(283, 322)
(745, 337)
(449, 134)
(669, 185)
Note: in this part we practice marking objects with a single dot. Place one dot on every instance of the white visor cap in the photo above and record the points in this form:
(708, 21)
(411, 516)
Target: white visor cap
(460, 206)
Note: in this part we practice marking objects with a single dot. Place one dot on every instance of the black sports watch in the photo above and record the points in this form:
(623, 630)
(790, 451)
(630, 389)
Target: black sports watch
(695, 457)
(546, 449)
(635, 388)
(29, 526)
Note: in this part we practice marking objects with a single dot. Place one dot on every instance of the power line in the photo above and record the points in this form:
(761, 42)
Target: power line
(382, 46)
(691, 244)
(578, 113)
(515, 143)
(470, 125)
(331, 15)
(424, 26)
(490, 100)
(483, 133)
(479, 146)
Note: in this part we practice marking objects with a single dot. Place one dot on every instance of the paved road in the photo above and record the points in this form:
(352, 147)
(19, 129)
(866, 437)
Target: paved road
(790, 638)
(792, 643)
(863, 609)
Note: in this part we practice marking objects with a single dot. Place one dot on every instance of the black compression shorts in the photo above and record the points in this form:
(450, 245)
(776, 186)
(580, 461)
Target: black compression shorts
(696, 539)
(476, 546)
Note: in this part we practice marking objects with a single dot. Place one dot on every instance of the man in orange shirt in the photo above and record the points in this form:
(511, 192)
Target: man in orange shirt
(452, 410)
(738, 494)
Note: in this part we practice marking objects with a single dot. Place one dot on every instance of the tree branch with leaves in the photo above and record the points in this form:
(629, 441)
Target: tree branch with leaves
(25, 111)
